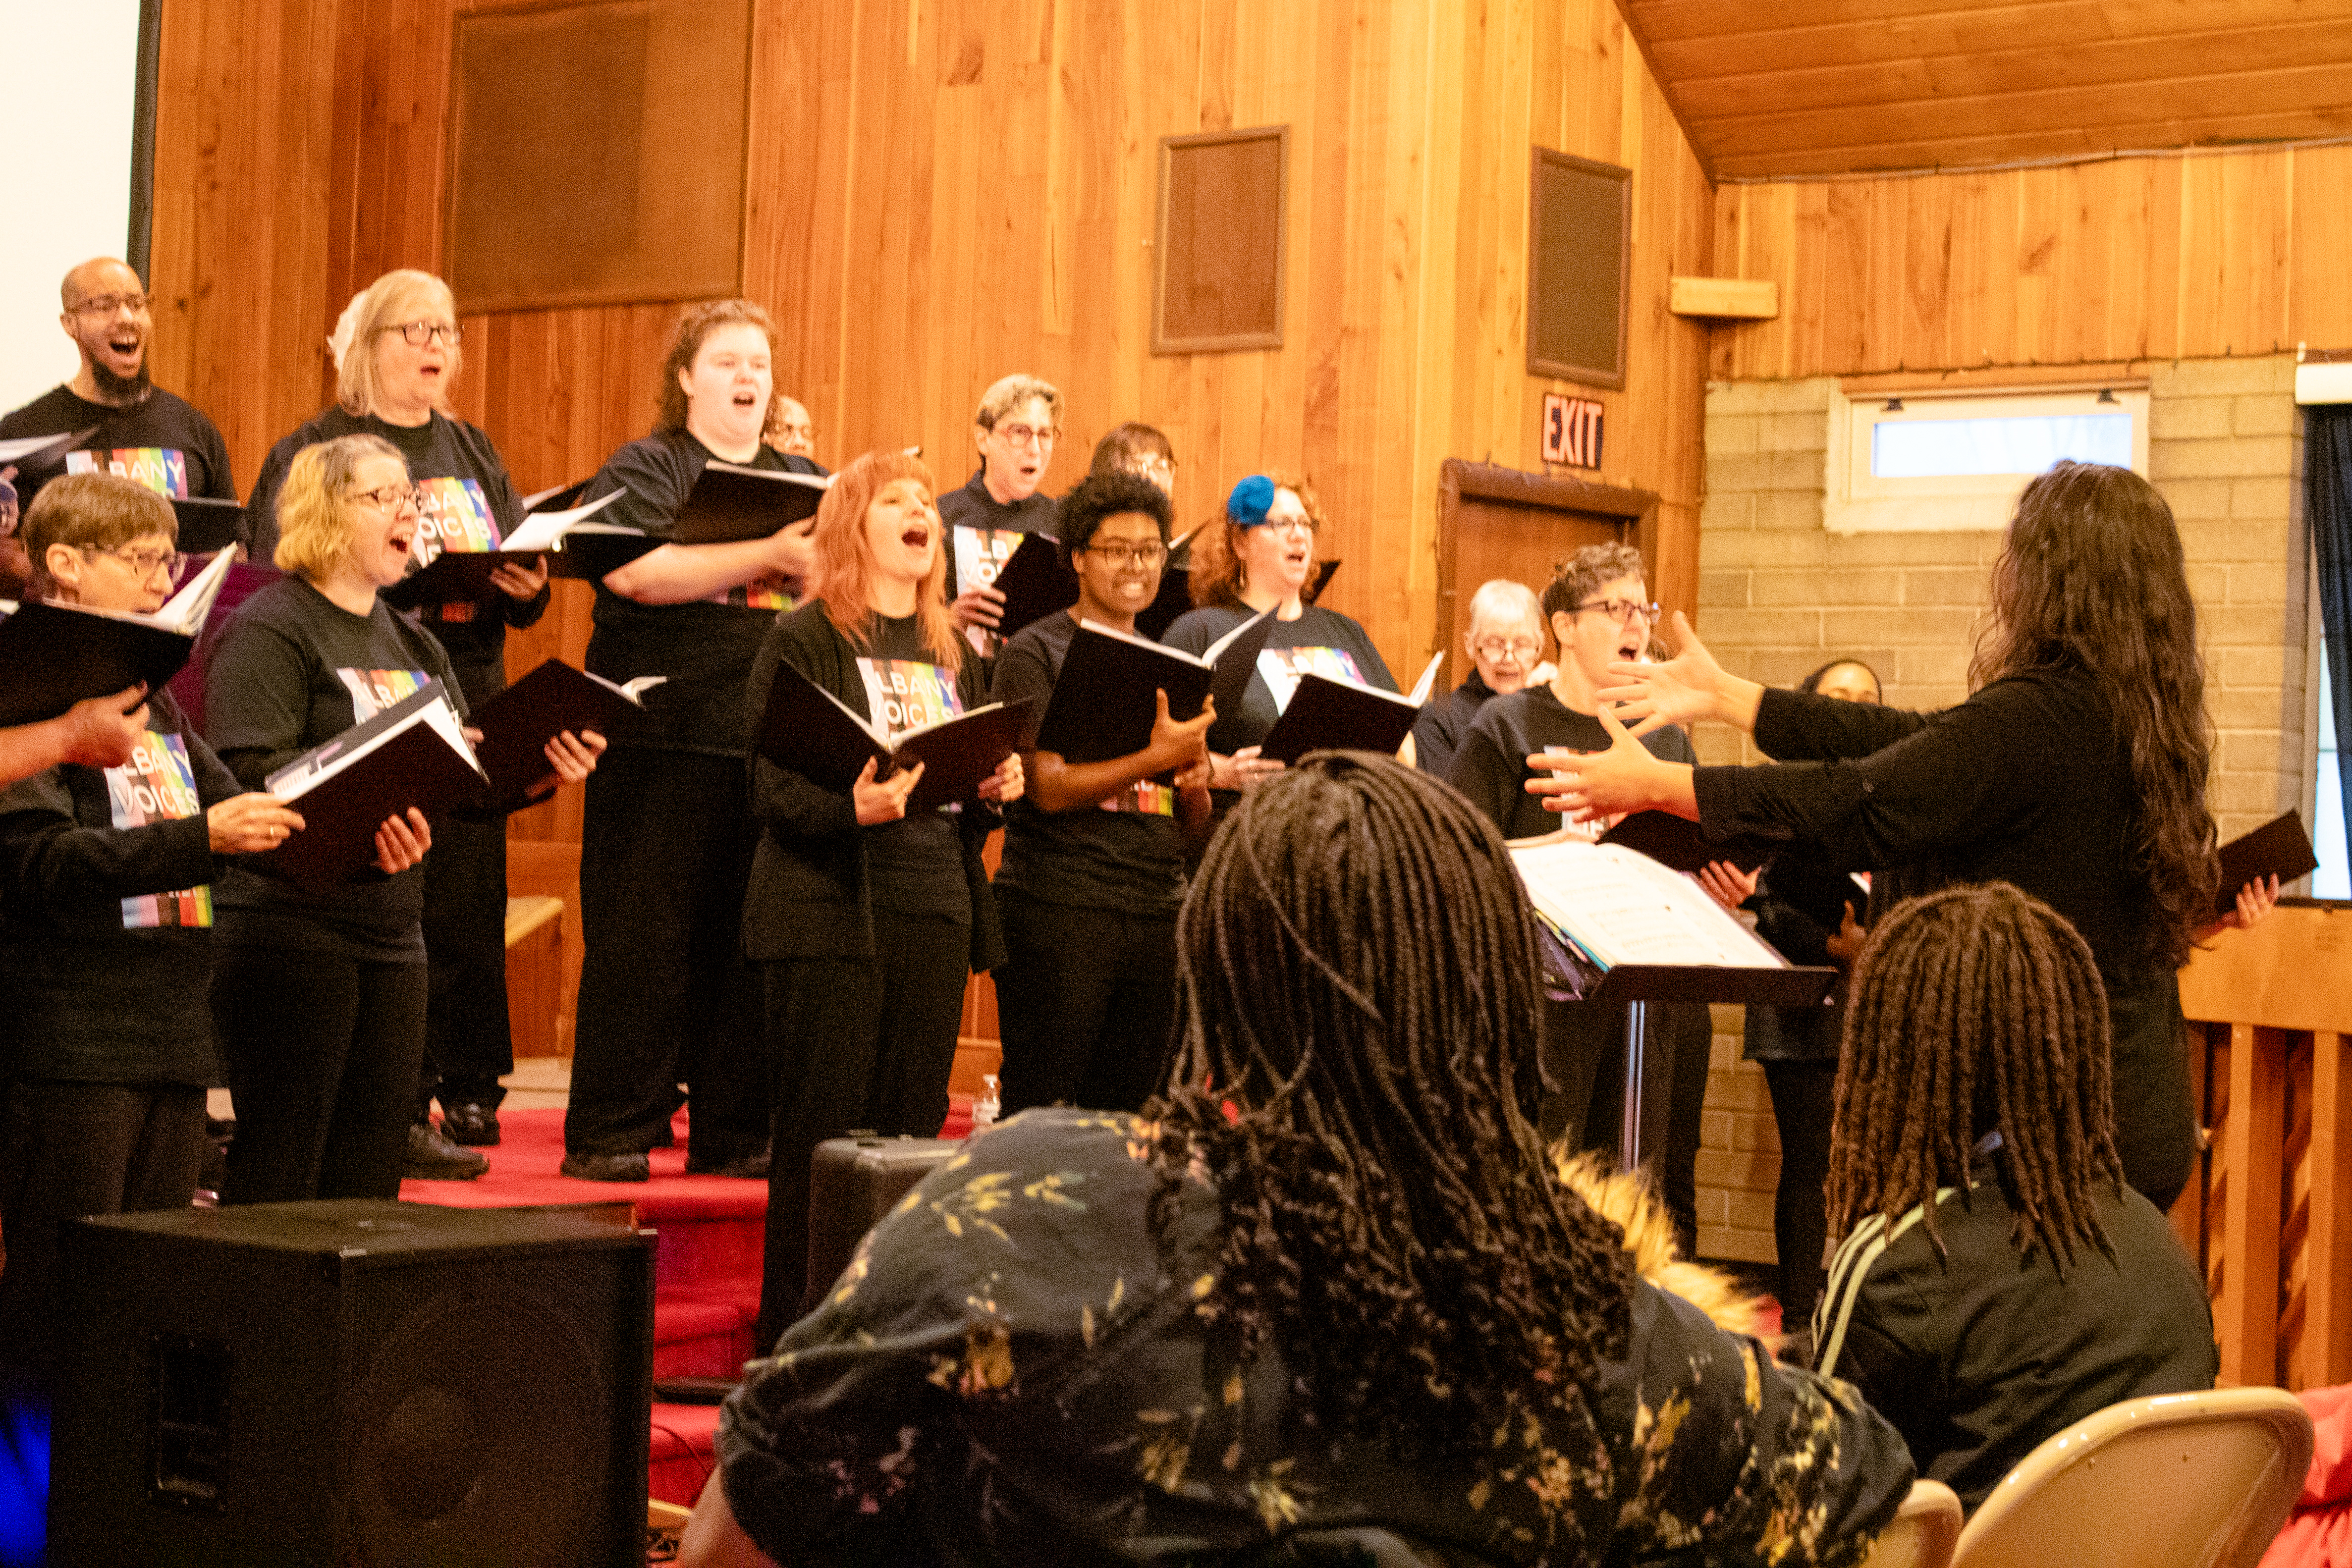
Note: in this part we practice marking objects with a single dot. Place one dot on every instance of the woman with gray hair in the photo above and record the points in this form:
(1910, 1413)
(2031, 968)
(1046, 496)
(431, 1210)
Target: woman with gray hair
(398, 355)
(1015, 427)
(1505, 641)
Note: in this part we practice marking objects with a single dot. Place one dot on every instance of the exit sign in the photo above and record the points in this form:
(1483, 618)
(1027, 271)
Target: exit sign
(1571, 431)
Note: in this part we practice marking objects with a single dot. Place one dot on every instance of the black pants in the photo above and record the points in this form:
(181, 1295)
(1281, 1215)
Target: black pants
(1584, 1057)
(468, 1043)
(665, 995)
(322, 1055)
(1084, 1000)
(1802, 1103)
(2155, 1124)
(857, 1042)
(71, 1149)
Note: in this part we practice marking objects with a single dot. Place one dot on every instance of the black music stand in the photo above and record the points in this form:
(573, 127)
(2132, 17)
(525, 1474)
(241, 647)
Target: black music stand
(1636, 986)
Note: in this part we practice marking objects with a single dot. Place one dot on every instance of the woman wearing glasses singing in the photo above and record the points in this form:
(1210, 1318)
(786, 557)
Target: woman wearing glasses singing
(1260, 560)
(319, 999)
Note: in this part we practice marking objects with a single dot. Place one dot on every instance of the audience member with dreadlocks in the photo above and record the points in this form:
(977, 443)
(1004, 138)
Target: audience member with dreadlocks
(2075, 769)
(1338, 1289)
(1998, 1282)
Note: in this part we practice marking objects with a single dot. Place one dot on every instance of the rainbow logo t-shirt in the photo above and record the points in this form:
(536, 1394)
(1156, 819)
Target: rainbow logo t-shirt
(1144, 797)
(157, 785)
(372, 691)
(452, 514)
(1281, 669)
(162, 469)
(903, 694)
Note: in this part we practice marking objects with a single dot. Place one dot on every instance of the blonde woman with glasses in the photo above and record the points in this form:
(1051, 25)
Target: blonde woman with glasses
(1505, 643)
(319, 999)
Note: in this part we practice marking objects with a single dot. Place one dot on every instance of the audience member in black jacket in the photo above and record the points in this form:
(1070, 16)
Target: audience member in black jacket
(864, 921)
(1599, 610)
(1093, 866)
(319, 998)
(1505, 642)
(2076, 770)
(400, 363)
(106, 938)
(1998, 1282)
(1806, 910)
(665, 841)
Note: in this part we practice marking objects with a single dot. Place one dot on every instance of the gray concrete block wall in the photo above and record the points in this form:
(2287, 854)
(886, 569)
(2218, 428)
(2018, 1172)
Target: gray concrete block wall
(1780, 596)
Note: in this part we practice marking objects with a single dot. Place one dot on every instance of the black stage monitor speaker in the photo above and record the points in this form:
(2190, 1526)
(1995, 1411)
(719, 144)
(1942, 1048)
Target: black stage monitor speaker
(354, 1383)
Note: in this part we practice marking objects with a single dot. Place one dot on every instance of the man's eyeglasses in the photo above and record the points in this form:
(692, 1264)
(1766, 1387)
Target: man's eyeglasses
(1022, 435)
(389, 497)
(1160, 471)
(1622, 611)
(145, 563)
(108, 304)
(419, 334)
(1520, 648)
(1129, 555)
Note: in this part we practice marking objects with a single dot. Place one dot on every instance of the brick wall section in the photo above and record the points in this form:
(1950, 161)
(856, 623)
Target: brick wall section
(1780, 596)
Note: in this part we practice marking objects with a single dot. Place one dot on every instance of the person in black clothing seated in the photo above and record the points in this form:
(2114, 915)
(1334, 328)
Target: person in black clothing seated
(2076, 770)
(1259, 558)
(864, 921)
(1998, 1281)
(1093, 866)
(319, 997)
(392, 379)
(1328, 1283)
(666, 840)
(105, 937)
(1806, 910)
(1505, 641)
(143, 433)
(1597, 608)
(1015, 427)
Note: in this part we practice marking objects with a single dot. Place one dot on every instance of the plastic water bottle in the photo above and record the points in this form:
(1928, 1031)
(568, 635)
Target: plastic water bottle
(986, 1105)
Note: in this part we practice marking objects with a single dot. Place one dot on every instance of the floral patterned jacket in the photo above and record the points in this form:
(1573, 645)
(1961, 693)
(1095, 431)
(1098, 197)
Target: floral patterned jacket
(1011, 1371)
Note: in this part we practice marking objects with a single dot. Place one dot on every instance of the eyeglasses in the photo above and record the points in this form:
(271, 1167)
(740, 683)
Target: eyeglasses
(390, 497)
(1305, 525)
(1520, 648)
(108, 304)
(1128, 555)
(144, 563)
(1622, 611)
(418, 334)
(1160, 471)
(1022, 435)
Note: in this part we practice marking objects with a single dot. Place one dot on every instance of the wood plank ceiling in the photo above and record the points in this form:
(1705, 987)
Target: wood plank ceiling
(1802, 87)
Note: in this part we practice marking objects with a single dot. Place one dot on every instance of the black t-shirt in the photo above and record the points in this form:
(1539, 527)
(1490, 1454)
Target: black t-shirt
(1492, 765)
(1438, 733)
(465, 502)
(914, 865)
(1126, 853)
(106, 914)
(1321, 642)
(160, 441)
(293, 671)
(981, 527)
(705, 648)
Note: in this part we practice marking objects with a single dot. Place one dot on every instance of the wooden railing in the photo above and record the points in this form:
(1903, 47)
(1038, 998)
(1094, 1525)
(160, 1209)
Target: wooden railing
(2270, 1217)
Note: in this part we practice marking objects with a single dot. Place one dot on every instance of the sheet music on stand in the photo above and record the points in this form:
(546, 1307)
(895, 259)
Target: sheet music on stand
(1651, 934)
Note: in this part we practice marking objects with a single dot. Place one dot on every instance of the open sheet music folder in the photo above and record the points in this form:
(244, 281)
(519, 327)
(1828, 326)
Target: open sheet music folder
(53, 655)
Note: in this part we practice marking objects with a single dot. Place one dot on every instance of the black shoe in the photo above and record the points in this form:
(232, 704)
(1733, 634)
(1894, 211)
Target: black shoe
(607, 1167)
(472, 1124)
(752, 1166)
(432, 1157)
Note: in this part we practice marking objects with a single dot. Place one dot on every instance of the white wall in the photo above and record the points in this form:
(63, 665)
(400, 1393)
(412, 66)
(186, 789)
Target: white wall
(72, 72)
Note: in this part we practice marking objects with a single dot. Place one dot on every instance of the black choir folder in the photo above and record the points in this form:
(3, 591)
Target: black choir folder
(518, 722)
(1325, 714)
(2279, 848)
(1676, 842)
(53, 655)
(1103, 707)
(414, 753)
(1037, 580)
(37, 452)
(729, 503)
(207, 524)
(816, 735)
(454, 576)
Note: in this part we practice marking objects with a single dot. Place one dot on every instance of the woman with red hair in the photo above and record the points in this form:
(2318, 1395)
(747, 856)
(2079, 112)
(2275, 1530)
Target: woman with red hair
(864, 918)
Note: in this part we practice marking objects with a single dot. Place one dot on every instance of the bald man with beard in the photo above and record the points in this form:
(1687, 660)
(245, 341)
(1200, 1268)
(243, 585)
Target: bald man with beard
(142, 432)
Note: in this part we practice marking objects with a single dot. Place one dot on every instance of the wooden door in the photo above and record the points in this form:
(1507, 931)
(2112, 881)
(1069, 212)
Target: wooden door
(1502, 522)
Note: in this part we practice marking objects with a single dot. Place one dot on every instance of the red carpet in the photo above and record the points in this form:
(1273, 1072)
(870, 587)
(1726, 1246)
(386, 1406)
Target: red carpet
(708, 1233)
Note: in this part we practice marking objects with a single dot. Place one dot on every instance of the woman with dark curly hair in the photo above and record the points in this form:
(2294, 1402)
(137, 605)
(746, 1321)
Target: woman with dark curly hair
(2076, 770)
(1338, 1289)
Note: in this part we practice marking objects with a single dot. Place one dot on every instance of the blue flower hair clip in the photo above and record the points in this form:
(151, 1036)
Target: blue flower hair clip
(1251, 498)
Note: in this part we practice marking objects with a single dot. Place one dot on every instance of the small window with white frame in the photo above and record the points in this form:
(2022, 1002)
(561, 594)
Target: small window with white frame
(1913, 462)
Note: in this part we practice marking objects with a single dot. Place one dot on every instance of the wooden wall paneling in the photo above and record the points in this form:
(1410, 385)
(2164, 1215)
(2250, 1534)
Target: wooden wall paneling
(2327, 1354)
(2246, 1312)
